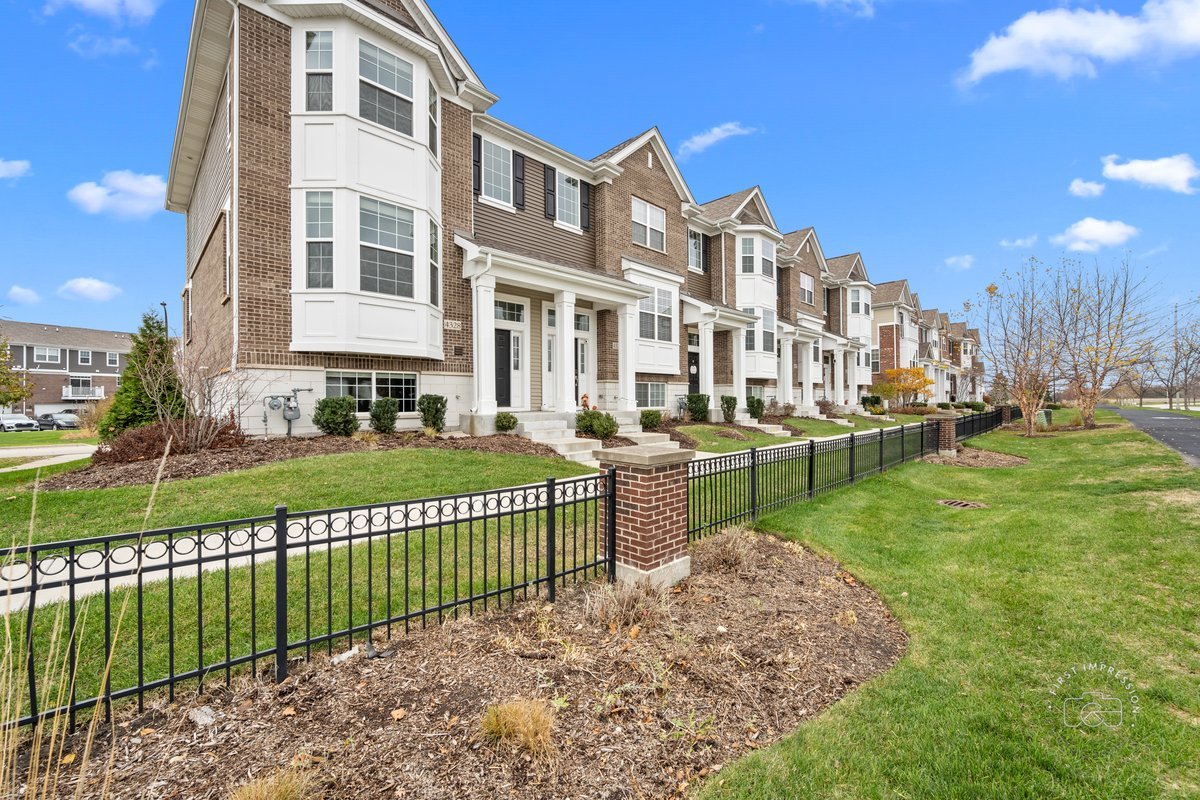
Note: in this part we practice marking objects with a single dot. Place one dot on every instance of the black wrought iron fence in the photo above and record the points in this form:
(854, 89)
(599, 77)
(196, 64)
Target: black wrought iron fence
(111, 617)
(736, 488)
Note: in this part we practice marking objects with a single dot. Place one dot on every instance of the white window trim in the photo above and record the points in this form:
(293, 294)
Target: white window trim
(82, 362)
(112, 359)
(374, 387)
(649, 398)
(322, 239)
(698, 269)
(811, 290)
(484, 197)
(413, 100)
(632, 216)
(331, 71)
(47, 350)
(416, 283)
(561, 175)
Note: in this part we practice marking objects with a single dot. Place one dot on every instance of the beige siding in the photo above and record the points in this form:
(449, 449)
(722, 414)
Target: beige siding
(212, 184)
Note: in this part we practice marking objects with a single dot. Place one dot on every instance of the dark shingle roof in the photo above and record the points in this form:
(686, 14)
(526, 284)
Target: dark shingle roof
(958, 329)
(612, 151)
(930, 317)
(841, 266)
(889, 292)
(64, 336)
(793, 240)
(723, 207)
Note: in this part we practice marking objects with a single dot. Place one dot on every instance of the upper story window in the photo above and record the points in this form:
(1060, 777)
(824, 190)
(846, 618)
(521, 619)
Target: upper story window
(695, 250)
(875, 360)
(435, 264)
(768, 331)
(47, 355)
(747, 255)
(758, 255)
(649, 225)
(806, 288)
(85, 357)
(568, 199)
(112, 359)
(767, 257)
(900, 315)
(497, 172)
(860, 302)
(386, 248)
(318, 71)
(816, 351)
(750, 330)
(385, 89)
(318, 236)
(434, 118)
(656, 316)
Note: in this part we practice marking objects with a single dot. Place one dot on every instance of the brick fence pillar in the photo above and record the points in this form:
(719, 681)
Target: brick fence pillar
(652, 512)
(1006, 414)
(947, 434)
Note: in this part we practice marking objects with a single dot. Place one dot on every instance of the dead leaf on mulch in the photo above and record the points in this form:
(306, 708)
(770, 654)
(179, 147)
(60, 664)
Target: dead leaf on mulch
(974, 457)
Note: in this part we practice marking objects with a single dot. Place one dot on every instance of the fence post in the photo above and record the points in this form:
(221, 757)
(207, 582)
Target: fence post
(281, 573)
(812, 468)
(881, 449)
(852, 458)
(754, 483)
(903, 455)
(551, 567)
(611, 533)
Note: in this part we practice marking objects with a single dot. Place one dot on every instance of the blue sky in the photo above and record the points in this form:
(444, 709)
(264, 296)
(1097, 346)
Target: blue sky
(927, 134)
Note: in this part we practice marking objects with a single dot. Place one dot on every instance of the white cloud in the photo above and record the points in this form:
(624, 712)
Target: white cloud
(1155, 251)
(88, 289)
(859, 8)
(1090, 235)
(1019, 243)
(117, 10)
(1069, 42)
(1174, 173)
(89, 45)
(23, 296)
(960, 263)
(1081, 188)
(124, 194)
(697, 144)
(14, 169)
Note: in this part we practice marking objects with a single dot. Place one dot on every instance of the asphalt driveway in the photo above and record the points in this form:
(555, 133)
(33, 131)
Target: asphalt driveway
(1177, 431)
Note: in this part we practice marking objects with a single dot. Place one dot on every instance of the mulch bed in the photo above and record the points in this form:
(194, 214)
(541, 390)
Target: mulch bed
(973, 457)
(267, 451)
(761, 638)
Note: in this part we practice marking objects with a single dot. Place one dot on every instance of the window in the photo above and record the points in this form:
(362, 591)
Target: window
(655, 317)
(568, 199)
(693, 339)
(497, 172)
(583, 323)
(386, 248)
(816, 353)
(403, 387)
(768, 331)
(855, 301)
(806, 289)
(550, 318)
(47, 355)
(696, 250)
(754, 391)
(112, 359)
(350, 384)
(510, 312)
(386, 89)
(750, 330)
(318, 71)
(85, 357)
(435, 263)
(434, 110)
(318, 235)
(767, 257)
(900, 316)
(649, 225)
(875, 360)
(747, 255)
(867, 303)
(651, 395)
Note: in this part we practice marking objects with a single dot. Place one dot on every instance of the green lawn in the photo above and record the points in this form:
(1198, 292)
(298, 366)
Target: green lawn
(14, 462)
(707, 439)
(1088, 554)
(31, 438)
(301, 484)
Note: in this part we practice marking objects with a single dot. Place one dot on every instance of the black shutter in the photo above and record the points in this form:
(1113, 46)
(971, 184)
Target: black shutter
(476, 162)
(518, 181)
(551, 179)
(585, 205)
(705, 243)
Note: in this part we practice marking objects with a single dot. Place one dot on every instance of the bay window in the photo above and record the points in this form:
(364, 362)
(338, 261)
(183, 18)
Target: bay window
(435, 263)
(747, 255)
(767, 257)
(318, 239)
(656, 317)
(649, 225)
(385, 88)
(768, 331)
(434, 118)
(875, 360)
(758, 255)
(318, 71)
(385, 248)
(750, 330)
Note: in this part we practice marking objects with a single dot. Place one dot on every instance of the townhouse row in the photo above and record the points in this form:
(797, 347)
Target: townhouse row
(359, 224)
(65, 368)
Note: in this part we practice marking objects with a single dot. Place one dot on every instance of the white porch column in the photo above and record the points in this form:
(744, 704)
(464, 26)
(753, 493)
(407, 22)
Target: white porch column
(806, 382)
(839, 377)
(483, 303)
(626, 351)
(739, 366)
(564, 315)
(785, 371)
(707, 372)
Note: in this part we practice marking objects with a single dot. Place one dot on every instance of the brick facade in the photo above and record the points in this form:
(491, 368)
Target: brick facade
(888, 350)
(210, 304)
(652, 511)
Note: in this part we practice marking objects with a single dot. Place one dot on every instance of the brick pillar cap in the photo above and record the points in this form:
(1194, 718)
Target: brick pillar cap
(943, 415)
(644, 455)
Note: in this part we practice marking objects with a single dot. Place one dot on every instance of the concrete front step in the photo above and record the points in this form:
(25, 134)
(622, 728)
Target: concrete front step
(549, 434)
(572, 445)
(651, 438)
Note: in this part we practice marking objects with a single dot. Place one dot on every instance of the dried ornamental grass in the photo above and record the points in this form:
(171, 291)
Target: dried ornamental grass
(288, 784)
(524, 723)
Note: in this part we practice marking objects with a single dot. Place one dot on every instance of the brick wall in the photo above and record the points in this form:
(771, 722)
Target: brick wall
(722, 358)
(614, 234)
(836, 321)
(888, 350)
(212, 310)
(651, 515)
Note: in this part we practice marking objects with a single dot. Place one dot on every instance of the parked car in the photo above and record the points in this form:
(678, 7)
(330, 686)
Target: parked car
(61, 421)
(16, 422)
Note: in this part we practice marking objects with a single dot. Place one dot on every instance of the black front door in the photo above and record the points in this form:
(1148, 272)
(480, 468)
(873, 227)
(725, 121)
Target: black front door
(504, 368)
(693, 373)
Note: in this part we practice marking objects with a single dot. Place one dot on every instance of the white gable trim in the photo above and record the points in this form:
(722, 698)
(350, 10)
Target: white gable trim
(654, 137)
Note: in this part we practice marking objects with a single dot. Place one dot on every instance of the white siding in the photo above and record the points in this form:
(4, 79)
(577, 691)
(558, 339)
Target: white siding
(212, 185)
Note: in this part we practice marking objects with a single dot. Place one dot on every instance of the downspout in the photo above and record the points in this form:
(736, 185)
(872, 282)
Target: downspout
(235, 178)
(724, 276)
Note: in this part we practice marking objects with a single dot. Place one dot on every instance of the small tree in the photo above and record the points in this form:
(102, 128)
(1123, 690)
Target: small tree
(908, 384)
(149, 390)
(14, 388)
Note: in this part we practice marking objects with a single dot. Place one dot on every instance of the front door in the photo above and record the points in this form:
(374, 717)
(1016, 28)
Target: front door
(504, 368)
(693, 373)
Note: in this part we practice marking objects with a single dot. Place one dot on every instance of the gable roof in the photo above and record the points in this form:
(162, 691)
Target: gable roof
(847, 267)
(37, 333)
(931, 317)
(729, 206)
(793, 247)
(653, 137)
(916, 302)
(792, 242)
(891, 292)
(958, 329)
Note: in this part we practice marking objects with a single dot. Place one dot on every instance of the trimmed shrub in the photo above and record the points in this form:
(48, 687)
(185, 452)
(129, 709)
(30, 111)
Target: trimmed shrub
(918, 410)
(826, 408)
(944, 406)
(651, 419)
(728, 407)
(755, 406)
(789, 410)
(505, 422)
(596, 424)
(975, 405)
(335, 416)
(432, 408)
(383, 414)
(918, 404)
(697, 406)
(871, 400)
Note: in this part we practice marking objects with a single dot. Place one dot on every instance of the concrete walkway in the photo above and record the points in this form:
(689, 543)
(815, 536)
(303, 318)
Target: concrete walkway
(46, 455)
(1179, 432)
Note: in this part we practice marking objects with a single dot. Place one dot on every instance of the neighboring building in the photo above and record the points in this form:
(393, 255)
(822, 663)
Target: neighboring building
(897, 329)
(66, 367)
(358, 224)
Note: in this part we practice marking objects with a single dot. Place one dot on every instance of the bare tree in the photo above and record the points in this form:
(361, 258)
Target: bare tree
(1173, 360)
(1101, 325)
(1019, 336)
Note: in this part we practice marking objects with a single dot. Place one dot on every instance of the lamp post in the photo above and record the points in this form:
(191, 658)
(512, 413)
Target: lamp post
(166, 327)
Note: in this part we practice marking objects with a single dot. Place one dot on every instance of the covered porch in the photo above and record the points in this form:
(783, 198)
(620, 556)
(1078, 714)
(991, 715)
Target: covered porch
(705, 320)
